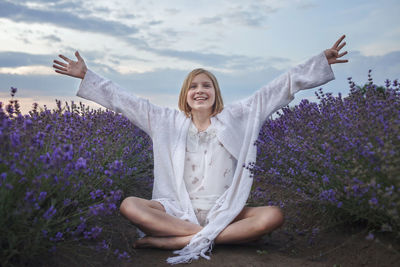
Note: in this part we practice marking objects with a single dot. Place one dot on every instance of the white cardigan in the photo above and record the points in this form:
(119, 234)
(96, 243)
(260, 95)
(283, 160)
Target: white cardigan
(238, 126)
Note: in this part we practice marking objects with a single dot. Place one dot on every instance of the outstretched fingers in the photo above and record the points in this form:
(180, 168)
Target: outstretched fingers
(342, 54)
(61, 72)
(341, 61)
(341, 46)
(59, 67)
(70, 67)
(65, 58)
(60, 63)
(78, 56)
(336, 45)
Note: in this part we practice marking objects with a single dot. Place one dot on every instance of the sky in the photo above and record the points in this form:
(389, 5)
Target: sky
(149, 46)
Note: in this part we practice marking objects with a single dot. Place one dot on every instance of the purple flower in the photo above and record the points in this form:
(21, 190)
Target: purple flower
(116, 195)
(93, 233)
(80, 164)
(96, 194)
(49, 213)
(9, 186)
(373, 201)
(328, 195)
(48, 127)
(67, 201)
(96, 209)
(103, 245)
(81, 227)
(123, 255)
(42, 196)
(58, 236)
(27, 123)
(13, 91)
(325, 179)
(108, 182)
(15, 139)
(29, 196)
(3, 178)
(370, 236)
(96, 231)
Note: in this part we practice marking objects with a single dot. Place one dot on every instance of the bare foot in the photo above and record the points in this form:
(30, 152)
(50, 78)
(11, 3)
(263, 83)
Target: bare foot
(169, 242)
(143, 242)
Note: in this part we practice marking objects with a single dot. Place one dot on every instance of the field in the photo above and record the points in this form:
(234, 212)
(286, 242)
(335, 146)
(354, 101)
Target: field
(332, 166)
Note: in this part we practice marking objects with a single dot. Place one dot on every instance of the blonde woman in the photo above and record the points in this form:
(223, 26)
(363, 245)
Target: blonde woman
(200, 183)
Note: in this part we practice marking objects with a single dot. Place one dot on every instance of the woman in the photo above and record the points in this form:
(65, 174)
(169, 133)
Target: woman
(200, 183)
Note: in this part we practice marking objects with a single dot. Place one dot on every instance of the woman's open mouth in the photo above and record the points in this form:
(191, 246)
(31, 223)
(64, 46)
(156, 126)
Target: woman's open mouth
(200, 98)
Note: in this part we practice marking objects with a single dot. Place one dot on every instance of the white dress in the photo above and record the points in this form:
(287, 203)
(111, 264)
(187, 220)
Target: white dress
(208, 169)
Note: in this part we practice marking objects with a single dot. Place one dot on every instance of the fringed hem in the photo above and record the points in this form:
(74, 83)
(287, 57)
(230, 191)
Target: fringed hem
(190, 253)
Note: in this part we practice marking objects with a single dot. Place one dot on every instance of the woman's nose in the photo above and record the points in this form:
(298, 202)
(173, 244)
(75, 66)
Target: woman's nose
(199, 89)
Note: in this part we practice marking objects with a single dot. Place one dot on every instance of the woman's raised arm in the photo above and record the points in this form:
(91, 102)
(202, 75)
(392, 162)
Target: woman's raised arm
(71, 68)
(280, 92)
(110, 95)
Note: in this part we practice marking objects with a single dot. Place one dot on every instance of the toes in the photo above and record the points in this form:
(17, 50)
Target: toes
(141, 243)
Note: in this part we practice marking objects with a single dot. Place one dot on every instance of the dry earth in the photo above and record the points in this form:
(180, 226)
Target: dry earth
(334, 248)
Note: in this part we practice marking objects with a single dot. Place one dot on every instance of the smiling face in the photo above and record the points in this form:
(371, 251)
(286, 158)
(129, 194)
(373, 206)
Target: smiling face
(201, 94)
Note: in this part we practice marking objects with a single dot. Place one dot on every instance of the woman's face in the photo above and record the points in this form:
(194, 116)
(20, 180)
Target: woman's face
(201, 94)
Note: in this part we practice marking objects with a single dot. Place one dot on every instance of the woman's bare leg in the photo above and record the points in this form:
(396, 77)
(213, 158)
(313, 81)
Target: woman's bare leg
(150, 217)
(251, 224)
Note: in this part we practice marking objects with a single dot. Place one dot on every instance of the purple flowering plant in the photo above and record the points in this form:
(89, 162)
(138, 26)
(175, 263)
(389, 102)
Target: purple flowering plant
(62, 174)
(341, 156)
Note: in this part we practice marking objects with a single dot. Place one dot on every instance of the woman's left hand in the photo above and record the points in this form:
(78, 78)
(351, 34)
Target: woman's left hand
(332, 54)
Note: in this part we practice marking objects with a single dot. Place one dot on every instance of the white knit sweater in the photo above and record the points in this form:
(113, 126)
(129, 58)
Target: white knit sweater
(238, 126)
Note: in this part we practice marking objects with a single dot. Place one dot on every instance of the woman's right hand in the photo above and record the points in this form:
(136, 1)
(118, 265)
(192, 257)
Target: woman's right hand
(75, 69)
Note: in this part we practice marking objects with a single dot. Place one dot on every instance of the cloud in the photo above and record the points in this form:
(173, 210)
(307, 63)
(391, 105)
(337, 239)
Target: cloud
(172, 11)
(306, 5)
(52, 38)
(155, 22)
(383, 67)
(239, 76)
(21, 13)
(210, 20)
(252, 15)
(27, 70)
(17, 59)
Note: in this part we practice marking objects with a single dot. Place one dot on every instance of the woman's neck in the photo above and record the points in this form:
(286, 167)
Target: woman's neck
(201, 120)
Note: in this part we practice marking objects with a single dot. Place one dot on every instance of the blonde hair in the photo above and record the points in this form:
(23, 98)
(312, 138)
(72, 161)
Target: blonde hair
(182, 102)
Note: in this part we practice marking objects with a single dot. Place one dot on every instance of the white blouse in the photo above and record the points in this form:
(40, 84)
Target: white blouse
(209, 167)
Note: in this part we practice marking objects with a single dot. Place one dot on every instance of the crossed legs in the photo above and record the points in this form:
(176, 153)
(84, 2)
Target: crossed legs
(169, 232)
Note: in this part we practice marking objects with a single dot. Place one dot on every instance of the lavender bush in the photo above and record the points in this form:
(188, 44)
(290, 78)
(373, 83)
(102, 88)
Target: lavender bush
(341, 154)
(62, 174)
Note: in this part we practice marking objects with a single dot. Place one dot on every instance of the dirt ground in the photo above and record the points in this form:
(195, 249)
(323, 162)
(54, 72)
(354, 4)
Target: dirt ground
(333, 249)
(337, 247)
